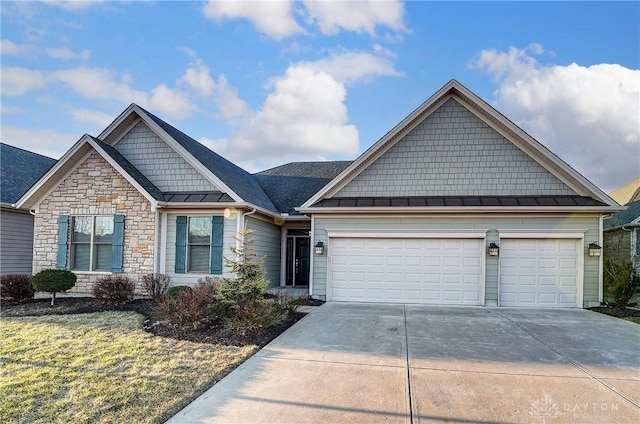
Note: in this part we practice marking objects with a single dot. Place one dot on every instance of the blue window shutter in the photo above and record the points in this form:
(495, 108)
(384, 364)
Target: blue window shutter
(117, 248)
(181, 244)
(63, 236)
(217, 225)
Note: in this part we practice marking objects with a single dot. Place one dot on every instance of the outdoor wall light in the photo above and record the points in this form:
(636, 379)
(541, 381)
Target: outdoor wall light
(319, 248)
(594, 249)
(493, 249)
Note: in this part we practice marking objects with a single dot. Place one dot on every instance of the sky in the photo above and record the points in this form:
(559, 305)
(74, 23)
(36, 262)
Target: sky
(266, 83)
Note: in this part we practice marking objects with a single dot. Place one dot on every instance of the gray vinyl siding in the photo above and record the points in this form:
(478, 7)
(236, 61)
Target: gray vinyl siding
(16, 242)
(163, 166)
(268, 243)
(190, 279)
(493, 225)
(454, 153)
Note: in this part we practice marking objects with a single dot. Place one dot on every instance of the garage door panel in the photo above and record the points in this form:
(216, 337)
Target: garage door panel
(539, 272)
(441, 271)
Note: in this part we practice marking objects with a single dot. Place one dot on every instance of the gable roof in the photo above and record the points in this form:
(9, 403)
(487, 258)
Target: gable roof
(292, 184)
(73, 158)
(497, 121)
(19, 170)
(240, 185)
(627, 193)
(631, 215)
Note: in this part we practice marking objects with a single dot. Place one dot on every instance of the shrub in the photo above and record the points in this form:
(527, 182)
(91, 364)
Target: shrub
(155, 285)
(250, 316)
(249, 283)
(194, 308)
(620, 281)
(113, 289)
(16, 287)
(54, 281)
(287, 301)
(173, 291)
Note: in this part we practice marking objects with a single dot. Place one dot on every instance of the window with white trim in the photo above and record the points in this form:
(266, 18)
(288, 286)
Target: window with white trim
(91, 243)
(199, 244)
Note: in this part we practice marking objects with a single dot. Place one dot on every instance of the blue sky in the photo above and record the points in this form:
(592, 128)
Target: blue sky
(265, 83)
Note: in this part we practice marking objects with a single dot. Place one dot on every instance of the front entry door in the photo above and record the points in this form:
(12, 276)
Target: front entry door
(298, 258)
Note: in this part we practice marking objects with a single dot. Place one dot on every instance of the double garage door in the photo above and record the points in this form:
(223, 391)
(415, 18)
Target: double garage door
(532, 272)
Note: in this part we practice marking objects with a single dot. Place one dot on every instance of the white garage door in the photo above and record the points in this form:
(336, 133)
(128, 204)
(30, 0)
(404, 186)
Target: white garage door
(539, 273)
(438, 271)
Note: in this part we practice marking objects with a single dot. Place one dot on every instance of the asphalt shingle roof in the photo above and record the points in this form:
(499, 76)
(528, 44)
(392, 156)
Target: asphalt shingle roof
(453, 201)
(290, 185)
(236, 178)
(19, 170)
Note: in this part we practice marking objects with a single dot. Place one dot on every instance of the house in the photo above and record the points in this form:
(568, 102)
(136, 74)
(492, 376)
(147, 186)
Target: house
(19, 169)
(627, 193)
(622, 235)
(456, 205)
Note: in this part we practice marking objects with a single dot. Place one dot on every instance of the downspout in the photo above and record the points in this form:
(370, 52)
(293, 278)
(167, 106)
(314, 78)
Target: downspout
(241, 225)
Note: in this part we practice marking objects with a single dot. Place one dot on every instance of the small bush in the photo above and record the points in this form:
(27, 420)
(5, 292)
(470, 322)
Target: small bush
(250, 316)
(193, 308)
(54, 281)
(16, 287)
(620, 281)
(113, 289)
(232, 291)
(155, 285)
(287, 301)
(173, 291)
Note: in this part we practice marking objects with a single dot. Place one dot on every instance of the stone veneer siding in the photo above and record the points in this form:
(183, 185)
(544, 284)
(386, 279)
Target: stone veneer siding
(95, 188)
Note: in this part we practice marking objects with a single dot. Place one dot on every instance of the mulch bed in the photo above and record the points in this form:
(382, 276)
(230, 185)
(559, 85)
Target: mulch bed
(617, 312)
(153, 323)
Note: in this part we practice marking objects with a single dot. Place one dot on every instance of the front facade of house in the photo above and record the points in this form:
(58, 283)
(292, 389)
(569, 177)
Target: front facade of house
(409, 221)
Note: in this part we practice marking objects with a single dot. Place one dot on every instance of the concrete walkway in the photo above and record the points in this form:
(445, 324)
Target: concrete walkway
(362, 363)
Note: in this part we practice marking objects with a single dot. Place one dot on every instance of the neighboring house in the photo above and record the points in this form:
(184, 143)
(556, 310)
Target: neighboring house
(627, 193)
(19, 169)
(409, 221)
(622, 235)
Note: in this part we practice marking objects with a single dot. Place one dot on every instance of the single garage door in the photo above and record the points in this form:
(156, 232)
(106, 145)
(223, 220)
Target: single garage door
(539, 273)
(438, 271)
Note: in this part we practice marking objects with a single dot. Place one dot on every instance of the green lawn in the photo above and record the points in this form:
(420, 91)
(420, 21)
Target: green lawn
(101, 368)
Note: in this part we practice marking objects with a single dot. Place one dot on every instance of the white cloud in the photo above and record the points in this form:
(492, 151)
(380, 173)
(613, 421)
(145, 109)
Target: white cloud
(226, 99)
(198, 77)
(356, 66)
(99, 119)
(66, 53)
(96, 83)
(229, 103)
(331, 17)
(589, 116)
(73, 5)
(303, 118)
(100, 84)
(168, 101)
(272, 18)
(44, 141)
(276, 19)
(17, 81)
(8, 47)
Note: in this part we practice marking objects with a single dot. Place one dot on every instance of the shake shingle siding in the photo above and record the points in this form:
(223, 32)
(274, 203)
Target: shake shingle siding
(155, 159)
(454, 153)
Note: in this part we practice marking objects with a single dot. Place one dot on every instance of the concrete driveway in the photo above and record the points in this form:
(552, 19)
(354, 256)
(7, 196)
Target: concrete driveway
(361, 363)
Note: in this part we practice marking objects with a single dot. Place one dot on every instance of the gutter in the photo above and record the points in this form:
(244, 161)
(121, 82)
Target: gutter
(463, 209)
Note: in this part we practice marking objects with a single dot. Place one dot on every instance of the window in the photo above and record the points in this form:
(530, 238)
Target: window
(92, 243)
(199, 244)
